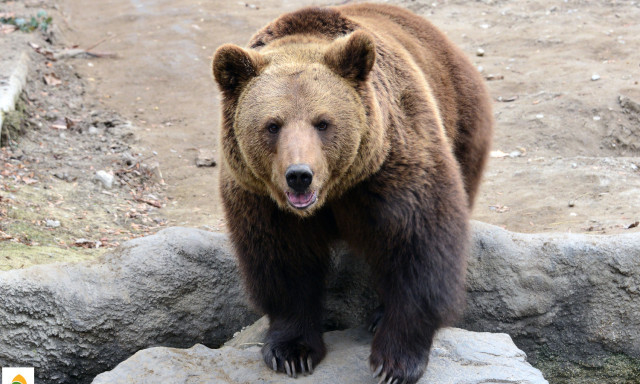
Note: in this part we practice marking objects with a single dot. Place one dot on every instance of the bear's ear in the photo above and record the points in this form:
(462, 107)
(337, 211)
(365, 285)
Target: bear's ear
(233, 67)
(352, 57)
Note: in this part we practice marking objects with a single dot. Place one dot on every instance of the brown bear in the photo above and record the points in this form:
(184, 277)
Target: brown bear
(360, 123)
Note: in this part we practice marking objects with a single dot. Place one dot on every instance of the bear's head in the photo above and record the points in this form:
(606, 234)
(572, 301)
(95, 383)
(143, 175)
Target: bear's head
(299, 122)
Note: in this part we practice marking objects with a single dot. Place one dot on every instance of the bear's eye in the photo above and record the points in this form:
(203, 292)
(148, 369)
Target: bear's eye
(273, 128)
(322, 126)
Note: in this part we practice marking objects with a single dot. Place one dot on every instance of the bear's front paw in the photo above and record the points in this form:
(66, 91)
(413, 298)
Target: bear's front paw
(396, 367)
(293, 357)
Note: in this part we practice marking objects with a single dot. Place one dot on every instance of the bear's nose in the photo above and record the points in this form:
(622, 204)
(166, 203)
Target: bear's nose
(299, 177)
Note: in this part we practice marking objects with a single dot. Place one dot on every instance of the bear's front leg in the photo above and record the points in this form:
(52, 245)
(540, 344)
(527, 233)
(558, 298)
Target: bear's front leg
(414, 237)
(294, 340)
(284, 260)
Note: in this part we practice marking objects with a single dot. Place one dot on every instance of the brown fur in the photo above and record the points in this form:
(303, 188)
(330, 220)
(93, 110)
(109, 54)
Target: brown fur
(395, 124)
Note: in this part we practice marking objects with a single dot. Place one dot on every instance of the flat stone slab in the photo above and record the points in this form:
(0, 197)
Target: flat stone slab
(457, 357)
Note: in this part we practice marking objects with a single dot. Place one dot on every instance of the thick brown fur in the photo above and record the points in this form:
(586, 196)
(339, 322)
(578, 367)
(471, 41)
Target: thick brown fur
(395, 125)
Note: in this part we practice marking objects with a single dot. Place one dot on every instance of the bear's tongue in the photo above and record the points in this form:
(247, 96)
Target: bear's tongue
(300, 200)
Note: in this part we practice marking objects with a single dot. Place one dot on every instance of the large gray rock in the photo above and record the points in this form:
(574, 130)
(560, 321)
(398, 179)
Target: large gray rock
(571, 295)
(457, 356)
(73, 321)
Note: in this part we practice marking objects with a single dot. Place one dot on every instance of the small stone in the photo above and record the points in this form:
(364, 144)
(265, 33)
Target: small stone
(574, 165)
(480, 52)
(105, 178)
(493, 76)
(539, 116)
(93, 130)
(595, 77)
(205, 158)
(52, 223)
(63, 176)
(596, 118)
(572, 203)
(86, 243)
(515, 154)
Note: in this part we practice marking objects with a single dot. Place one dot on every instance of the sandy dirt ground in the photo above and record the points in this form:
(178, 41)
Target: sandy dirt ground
(571, 149)
(564, 76)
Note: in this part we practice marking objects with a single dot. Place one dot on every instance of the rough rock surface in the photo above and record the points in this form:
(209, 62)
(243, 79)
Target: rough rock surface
(73, 321)
(574, 296)
(457, 356)
(14, 65)
(577, 296)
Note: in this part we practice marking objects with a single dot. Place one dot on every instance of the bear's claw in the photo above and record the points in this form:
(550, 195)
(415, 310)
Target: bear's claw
(287, 367)
(289, 361)
(309, 364)
(290, 367)
(386, 377)
(390, 377)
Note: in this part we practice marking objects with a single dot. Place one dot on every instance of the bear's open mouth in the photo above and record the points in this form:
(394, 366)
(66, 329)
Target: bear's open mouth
(302, 200)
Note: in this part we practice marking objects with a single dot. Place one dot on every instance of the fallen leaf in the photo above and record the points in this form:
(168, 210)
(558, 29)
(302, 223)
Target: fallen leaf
(52, 79)
(59, 124)
(70, 123)
(29, 181)
(7, 28)
(633, 225)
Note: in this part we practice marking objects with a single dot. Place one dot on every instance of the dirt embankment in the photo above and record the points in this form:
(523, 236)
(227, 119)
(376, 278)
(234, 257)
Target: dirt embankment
(60, 149)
